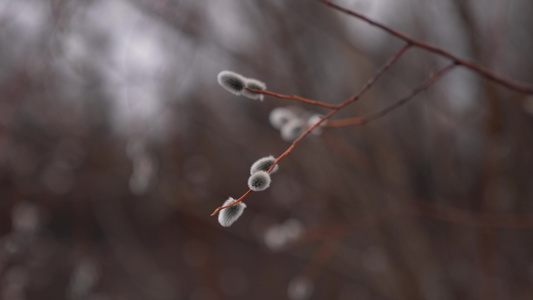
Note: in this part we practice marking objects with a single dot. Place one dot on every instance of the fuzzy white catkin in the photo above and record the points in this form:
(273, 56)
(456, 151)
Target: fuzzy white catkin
(292, 130)
(263, 164)
(280, 116)
(259, 181)
(313, 120)
(256, 85)
(232, 82)
(229, 215)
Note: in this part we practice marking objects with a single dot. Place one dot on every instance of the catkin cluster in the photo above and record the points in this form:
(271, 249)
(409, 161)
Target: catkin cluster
(259, 180)
(293, 121)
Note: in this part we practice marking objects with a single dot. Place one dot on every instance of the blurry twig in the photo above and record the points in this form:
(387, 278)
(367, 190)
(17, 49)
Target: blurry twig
(432, 211)
(320, 258)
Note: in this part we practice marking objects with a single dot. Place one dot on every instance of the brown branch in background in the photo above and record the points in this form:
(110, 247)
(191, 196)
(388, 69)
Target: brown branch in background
(341, 229)
(392, 106)
(440, 213)
(476, 220)
(320, 258)
(519, 87)
(365, 88)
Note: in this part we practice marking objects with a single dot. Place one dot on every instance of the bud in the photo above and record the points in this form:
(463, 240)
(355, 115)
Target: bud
(292, 130)
(232, 82)
(263, 164)
(229, 215)
(280, 116)
(259, 181)
(256, 85)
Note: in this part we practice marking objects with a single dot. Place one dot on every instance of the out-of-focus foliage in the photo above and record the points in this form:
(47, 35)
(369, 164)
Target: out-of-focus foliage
(116, 143)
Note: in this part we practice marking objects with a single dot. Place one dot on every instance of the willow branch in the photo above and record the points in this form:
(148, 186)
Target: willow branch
(519, 87)
(367, 86)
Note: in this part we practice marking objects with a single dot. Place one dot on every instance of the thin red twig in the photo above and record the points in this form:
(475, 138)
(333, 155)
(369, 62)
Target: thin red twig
(392, 106)
(519, 87)
(378, 74)
(293, 97)
(238, 200)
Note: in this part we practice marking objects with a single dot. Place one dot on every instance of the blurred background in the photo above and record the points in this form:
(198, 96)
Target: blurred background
(117, 143)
